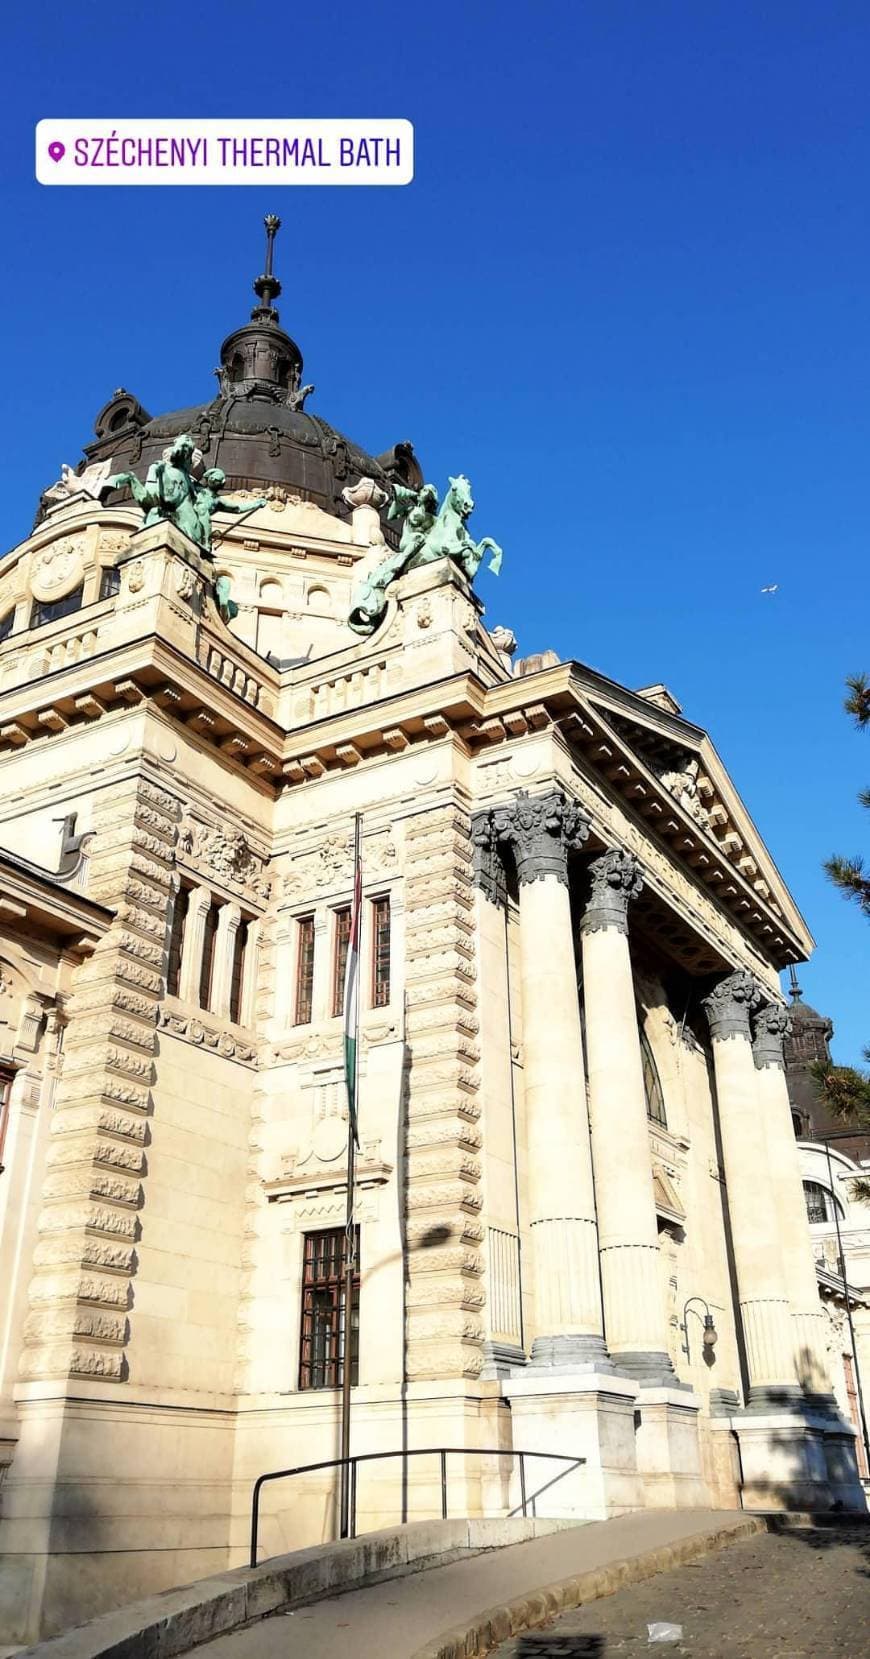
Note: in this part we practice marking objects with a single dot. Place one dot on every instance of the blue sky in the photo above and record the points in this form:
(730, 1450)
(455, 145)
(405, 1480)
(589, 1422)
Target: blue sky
(626, 293)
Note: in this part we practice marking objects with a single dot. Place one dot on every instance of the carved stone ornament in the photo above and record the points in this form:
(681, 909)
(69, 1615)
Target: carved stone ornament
(683, 785)
(615, 880)
(365, 494)
(771, 1026)
(730, 1003)
(331, 864)
(58, 568)
(489, 874)
(224, 852)
(541, 830)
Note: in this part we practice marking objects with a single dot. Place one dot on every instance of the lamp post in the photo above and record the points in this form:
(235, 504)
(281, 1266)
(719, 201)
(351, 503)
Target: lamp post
(710, 1334)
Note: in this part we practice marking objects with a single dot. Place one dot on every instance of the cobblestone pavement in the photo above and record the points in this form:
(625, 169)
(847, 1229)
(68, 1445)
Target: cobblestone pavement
(789, 1595)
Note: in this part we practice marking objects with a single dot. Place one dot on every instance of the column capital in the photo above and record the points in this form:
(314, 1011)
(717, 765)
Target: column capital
(770, 1027)
(542, 830)
(616, 879)
(729, 1004)
(488, 869)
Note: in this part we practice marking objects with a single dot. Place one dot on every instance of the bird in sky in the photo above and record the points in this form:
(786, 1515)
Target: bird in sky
(773, 588)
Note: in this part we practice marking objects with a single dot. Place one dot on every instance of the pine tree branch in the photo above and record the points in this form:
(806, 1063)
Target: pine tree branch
(857, 703)
(845, 1091)
(848, 875)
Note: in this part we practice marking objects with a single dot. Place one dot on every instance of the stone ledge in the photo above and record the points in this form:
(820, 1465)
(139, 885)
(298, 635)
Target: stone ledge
(177, 1620)
(533, 1609)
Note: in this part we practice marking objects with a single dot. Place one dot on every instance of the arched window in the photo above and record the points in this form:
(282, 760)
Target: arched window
(797, 1125)
(655, 1100)
(820, 1204)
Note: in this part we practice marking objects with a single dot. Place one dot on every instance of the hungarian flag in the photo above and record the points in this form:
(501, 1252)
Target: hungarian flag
(351, 987)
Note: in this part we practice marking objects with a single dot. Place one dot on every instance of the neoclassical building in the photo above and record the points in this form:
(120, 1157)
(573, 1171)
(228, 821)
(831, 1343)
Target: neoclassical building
(580, 1219)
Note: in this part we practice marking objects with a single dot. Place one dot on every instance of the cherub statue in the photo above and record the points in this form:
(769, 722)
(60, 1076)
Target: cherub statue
(208, 501)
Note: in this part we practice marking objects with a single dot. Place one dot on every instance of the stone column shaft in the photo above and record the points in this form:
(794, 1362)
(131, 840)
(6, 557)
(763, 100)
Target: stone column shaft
(764, 1308)
(635, 1317)
(808, 1317)
(191, 949)
(561, 1199)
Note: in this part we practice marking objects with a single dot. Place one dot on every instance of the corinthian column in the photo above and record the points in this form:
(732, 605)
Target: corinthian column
(635, 1317)
(542, 830)
(764, 1309)
(808, 1319)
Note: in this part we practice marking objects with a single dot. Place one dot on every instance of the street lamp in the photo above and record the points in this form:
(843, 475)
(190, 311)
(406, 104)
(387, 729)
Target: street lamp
(710, 1334)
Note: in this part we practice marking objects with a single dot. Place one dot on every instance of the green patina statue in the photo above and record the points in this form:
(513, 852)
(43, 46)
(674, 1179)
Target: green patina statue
(170, 493)
(429, 533)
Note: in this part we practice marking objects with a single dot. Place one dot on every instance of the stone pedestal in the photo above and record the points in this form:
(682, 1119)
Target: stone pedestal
(668, 1450)
(577, 1414)
(782, 1458)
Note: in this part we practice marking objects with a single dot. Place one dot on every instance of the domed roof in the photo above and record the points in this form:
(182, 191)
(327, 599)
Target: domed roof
(256, 428)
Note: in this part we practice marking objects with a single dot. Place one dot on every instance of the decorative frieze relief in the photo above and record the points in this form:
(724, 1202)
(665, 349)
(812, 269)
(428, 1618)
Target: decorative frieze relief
(330, 864)
(216, 851)
(202, 1034)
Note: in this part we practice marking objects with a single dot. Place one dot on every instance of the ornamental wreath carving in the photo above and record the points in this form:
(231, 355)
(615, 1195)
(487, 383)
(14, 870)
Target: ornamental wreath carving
(58, 568)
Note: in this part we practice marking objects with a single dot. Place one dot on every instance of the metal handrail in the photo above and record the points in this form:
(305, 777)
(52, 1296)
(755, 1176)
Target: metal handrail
(443, 1452)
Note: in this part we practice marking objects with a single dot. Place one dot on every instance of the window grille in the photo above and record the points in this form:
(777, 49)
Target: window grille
(339, 957)
(321, 1359)
(304, 970)
(380, 952)
(655, 1100)
(820, 1203)
(51, 610)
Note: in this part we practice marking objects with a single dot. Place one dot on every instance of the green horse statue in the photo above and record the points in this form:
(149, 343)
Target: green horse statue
(427, 535)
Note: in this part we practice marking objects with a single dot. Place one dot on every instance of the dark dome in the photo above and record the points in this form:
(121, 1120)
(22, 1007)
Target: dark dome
(256, 428)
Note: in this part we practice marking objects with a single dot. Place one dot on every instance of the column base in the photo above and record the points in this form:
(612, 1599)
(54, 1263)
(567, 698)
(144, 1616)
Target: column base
(651, 1368)
(581, 1414)
(502, 1359)
(571, 1353)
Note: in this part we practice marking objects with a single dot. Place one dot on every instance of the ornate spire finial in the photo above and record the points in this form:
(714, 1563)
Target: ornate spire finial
(267, 287)
(794, 988)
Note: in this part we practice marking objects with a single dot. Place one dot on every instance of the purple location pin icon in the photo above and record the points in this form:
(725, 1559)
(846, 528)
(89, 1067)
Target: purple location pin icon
(57, 151)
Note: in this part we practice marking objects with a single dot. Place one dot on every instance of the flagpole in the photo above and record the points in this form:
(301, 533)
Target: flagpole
(350, 1231)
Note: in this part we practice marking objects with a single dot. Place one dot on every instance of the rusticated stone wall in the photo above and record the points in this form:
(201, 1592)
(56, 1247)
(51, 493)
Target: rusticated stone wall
(443, 1193)
(85, 1259)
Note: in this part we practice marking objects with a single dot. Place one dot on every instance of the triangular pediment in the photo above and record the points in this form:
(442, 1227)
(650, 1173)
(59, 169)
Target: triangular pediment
(682, 760)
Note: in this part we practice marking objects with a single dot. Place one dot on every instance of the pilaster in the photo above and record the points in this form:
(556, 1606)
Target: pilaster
(78, 1325)
(444, 1331)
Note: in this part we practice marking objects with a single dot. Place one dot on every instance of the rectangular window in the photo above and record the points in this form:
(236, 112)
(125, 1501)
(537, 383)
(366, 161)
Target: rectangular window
(206, 971)
(237, 975)
(321, 1359)
(5, 1092)
(380, 953)
(304, 970)
(339, 957)
(110, 582)
(52, 610)
(176, 941)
